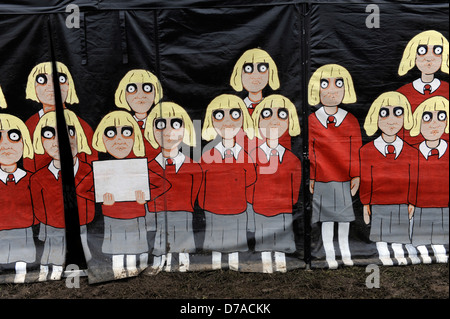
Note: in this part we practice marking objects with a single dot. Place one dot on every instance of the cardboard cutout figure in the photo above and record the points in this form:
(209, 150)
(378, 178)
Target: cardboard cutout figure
(429, 52)
(16, 209)
(168, 125)
(277, 185)
(138, 91)
(334, 141)
(430, 219)
(389, 168)
(227, 172)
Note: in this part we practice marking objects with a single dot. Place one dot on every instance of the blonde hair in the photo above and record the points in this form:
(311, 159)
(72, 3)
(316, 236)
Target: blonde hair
(118, 118)
(3, 104)
(48, 119)
(330, 71)
(435, 103)
(254, 56)
(168, 110)
(429, 37)
(136, 76)
(10, 122)
(226, 101)
(46, 68)
(391, 98)
(277, 101)
(82, 142)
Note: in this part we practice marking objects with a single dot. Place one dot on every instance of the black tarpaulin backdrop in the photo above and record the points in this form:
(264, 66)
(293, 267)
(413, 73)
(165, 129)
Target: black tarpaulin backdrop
(192, 47)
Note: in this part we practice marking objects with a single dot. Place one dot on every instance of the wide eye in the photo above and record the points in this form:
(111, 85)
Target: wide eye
(263, 67)
(323, 84)
(147, 87)
(235, 114)
(437, 49)
(48, 132)
(14, 135)
(384, 112)
(218, 115)
(427, 116)
(176, 123)
(71, 130)
(160, 124)
(283, 113)
(131, 88)
(41, 79)
(110, 132)
(266, 113)
(127, 131)
(422, 49)
(339, 83)
(248, 68)
(62, 78)
(398, 111)
(442, 116)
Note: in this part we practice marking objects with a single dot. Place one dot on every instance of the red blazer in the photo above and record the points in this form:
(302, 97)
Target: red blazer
(388, 181)
(85, 195)
(223, 189)
(277, 184)
(16, 209)
(334, 151)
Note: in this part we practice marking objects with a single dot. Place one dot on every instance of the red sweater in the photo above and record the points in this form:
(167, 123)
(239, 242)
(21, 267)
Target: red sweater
(334, 151)
(47, 196)
(277, 185)
(388, 181)
(433, 184)
(185, 187)
(415, 98)
(85, 195)
(223, 189)
(16, 209)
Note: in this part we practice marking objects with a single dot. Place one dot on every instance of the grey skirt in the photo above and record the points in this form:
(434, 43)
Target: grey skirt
(225, 233)
(430, 226)
(17, 245)
(54, 245)
(332, 202)
(125, 236)
(274, 233)
(390, 223)
(179, 234)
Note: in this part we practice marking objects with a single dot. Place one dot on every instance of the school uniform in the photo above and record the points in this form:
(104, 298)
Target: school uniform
(16, 218)
(416, 92)
(226, 175)
(273, 195)
(334, 144)
(389, 184)
(431, 215)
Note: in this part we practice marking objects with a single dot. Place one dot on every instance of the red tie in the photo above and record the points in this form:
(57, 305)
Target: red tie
(434, 151)
(330, 120)
(10, 179)
(140, 123)
(170, 165)
(427, 89)
(390, 151)
(273, 153)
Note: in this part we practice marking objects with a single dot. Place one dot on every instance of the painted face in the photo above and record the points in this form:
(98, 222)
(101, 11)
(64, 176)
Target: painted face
(168, 132)
(45, 91)
(273, 122)
(11, 146)
(429, 58)
(118, 140)
(433, 125)
(390, 119)
(140, 96)
(72, 140)
(331, 91)
(49, 138)
(255, 76)
(227, 122)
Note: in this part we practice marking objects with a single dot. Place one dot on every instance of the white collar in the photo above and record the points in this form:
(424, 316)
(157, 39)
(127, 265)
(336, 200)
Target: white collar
(76, 166)
(381, 145)
(18, 175)
(178, 160)
(235, 149)
(322, 116)
(143, 120)
(419, 85)
(249, 103)
(41, 113)
(51, 167)
(266, 149)
(426, 151)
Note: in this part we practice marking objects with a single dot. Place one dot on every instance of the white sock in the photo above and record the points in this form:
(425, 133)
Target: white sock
(266, 257)
(327, 239)
(56, 272)
(131, 265)
(343, 232)
(184, 261)
(118, 266)
(168, 262)
(43, 273)
(143, 261)
(440, 253)
(412, 252)
(383, 253)
(399, 254)
(280, 262)
(21, 272)
(423, 250)
(233, 261)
